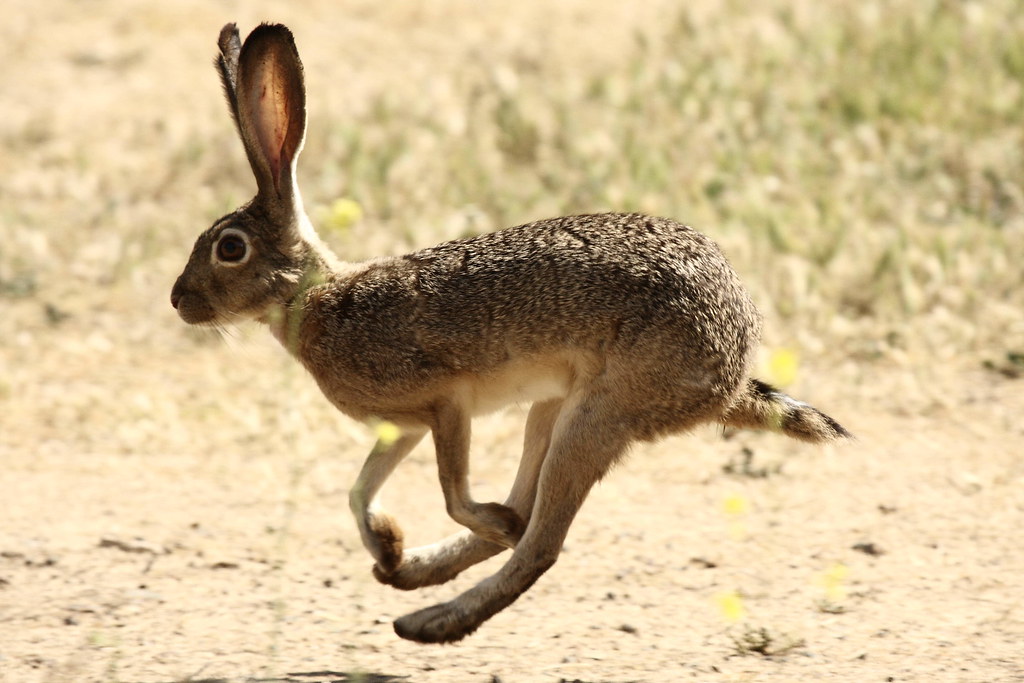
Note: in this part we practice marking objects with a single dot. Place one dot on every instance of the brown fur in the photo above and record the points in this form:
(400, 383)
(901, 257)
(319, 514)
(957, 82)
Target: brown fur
(618, 327)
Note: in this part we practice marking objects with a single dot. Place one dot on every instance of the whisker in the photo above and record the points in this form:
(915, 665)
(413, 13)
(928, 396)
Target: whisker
(227, 334)
(230, 334)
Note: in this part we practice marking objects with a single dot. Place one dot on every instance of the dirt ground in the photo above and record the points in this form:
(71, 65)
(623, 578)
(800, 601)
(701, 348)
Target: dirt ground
(173, 507)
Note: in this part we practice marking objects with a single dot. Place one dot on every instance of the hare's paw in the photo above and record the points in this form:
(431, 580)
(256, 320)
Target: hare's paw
(415, 573)
(498, 524)
(406, 576)
(385, 542)
(444, 623)
(438, 563)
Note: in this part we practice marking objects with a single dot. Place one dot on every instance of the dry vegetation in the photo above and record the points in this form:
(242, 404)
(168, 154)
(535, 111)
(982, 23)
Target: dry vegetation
(173, 504)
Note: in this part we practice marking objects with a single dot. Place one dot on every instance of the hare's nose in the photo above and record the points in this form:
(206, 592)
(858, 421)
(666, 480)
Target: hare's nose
(176, 293)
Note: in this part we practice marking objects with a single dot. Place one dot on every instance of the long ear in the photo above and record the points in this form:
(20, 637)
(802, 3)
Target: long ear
(270, 99)
(227, 64)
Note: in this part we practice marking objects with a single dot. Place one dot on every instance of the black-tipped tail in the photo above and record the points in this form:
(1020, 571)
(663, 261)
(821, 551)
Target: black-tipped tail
(762, 406)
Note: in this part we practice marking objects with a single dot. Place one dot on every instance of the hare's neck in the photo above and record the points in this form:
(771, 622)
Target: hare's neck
(285, 319)
(319, 256)
(321, 269)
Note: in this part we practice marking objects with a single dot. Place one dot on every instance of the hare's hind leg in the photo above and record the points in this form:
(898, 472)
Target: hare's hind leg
(587, 440)
(442, 561)
(491, 521)
(380, 533)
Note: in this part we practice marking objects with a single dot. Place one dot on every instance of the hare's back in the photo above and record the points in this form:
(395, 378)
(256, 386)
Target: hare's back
(589, 280)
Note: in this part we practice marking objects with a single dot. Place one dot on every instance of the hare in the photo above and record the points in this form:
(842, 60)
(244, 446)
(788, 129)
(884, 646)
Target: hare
(617, 328)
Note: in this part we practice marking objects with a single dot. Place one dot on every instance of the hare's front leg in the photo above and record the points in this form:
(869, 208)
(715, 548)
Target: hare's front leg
(380, 533)
(439, 562)
(491, 521)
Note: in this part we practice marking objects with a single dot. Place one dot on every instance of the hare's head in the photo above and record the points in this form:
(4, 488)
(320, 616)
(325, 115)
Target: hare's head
(256, 257)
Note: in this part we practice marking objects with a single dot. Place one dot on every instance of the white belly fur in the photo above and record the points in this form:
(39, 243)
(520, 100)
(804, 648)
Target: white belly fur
(521, 381)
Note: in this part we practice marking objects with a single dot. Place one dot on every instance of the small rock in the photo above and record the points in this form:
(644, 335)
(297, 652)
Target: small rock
(868, 548)
(224, 565)
(136, 545)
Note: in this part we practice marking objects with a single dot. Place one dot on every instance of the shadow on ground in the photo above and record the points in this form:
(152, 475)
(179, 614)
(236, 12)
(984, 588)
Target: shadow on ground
(318, 677)
(308, 677)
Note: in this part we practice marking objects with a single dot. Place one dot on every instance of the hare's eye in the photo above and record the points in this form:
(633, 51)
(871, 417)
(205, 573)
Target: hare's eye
(231, 248)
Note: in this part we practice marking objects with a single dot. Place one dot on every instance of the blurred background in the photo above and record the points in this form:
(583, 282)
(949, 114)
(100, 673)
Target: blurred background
(860, 163)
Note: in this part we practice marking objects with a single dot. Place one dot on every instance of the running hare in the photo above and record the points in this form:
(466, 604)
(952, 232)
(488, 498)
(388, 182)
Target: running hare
(617, 328)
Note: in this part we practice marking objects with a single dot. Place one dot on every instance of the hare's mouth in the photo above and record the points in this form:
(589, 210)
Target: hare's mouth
(193, 317)
(198, 312)
(193, 309)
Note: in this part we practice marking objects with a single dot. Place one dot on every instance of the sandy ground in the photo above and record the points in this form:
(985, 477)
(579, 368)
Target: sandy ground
(226, 565)
(173, 508)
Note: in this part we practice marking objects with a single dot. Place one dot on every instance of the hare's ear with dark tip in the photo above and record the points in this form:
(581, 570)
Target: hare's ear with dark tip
(227, 64)
(270, 99)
